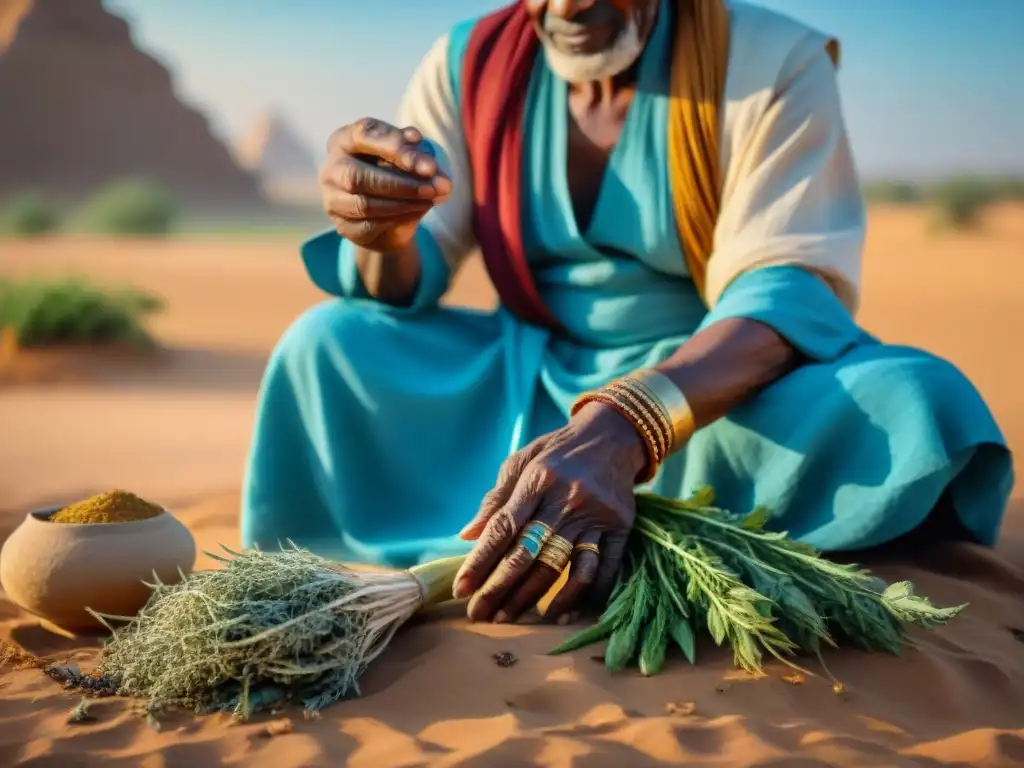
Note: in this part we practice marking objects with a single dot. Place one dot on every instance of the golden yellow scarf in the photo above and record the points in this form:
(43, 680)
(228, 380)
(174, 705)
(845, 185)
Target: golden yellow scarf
(700, 62)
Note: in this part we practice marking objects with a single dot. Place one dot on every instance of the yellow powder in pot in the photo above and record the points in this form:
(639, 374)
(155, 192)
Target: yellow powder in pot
(109, 507)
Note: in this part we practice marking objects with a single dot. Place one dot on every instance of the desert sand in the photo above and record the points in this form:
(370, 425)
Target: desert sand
(175, 429)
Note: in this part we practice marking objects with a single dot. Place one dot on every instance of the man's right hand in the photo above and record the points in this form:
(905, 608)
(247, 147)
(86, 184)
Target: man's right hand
(378, 182)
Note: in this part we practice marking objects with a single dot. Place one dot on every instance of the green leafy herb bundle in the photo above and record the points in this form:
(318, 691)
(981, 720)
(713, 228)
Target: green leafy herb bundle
(691, 566)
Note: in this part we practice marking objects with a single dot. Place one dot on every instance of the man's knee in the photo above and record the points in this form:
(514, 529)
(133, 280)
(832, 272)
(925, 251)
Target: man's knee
(327, 326)
(908, 367)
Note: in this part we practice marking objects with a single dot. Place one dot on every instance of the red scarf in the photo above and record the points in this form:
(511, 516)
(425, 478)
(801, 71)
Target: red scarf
(495, 80)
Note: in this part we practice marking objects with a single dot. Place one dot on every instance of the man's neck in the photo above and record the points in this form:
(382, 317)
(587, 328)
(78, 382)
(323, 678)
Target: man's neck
(607, 90)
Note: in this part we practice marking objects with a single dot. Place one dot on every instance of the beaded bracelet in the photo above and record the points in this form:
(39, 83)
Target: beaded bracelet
(650, 408)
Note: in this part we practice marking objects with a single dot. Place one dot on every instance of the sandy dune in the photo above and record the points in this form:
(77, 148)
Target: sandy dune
(437, 698)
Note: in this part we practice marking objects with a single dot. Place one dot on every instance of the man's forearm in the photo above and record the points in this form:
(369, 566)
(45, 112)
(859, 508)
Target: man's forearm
(391, 277)
(727, 363)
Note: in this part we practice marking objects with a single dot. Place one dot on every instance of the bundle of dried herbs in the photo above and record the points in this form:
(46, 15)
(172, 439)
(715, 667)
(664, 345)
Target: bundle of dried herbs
(691, 567)
(290, 626)
(265, 629)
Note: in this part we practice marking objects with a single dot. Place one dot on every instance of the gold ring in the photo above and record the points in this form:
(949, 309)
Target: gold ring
(534, 536)
(556, 552)
(586, 546)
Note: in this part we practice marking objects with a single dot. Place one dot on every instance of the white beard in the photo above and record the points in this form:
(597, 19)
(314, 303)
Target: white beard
(588, 67)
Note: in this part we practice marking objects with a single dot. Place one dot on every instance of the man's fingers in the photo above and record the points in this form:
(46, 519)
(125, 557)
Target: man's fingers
(498, 536)
(383, 141)
(357, 177)
(582, 574)
(612, 551)
(366, 231)
(527, 593)
(539, 579)
(501, 580)
(369, 208)
(499, 495)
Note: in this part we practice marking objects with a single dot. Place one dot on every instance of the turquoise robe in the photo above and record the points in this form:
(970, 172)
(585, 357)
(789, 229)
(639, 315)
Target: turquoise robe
(380, 429)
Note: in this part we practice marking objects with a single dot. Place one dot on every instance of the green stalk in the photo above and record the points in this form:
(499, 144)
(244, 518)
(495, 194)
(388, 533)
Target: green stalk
(437, 579)
(700, 516)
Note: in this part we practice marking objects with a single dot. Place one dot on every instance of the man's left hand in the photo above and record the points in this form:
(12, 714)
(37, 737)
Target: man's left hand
(579, 481)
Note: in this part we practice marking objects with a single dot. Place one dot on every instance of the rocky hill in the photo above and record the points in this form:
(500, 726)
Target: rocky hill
(277, 154)
(82, 107)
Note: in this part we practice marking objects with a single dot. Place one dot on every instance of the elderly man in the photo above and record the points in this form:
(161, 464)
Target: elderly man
(665, 200)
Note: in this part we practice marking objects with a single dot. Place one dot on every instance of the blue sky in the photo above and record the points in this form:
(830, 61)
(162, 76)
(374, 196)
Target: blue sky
(930, 86)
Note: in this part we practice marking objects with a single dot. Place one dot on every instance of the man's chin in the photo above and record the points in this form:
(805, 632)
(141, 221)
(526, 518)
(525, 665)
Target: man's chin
(579, 68)
(589, 67)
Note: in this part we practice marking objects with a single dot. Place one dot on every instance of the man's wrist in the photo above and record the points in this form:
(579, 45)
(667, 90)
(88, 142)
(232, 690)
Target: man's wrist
(618, 428)
(392, 277)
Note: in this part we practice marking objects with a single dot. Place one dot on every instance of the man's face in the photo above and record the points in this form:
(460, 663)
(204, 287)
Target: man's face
(586, 40)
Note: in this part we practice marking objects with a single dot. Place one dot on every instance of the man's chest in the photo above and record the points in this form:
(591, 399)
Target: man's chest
(591, 139)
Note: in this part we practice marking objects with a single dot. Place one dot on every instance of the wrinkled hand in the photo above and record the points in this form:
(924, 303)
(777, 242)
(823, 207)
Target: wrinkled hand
(579, 480)
(378, 181)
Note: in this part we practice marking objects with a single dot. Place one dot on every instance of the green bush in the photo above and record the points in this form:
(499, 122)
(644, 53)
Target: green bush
(130, 208)
(1010, 189)
(28, 215)
(959, 203)
(955, 202)
(893, 193)
(73, 312)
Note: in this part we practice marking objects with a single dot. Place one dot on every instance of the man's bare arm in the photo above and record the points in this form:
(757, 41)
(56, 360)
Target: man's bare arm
(392, 277)
(728, 363)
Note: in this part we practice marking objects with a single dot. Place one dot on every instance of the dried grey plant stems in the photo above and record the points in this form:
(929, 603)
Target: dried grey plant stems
(265, 629)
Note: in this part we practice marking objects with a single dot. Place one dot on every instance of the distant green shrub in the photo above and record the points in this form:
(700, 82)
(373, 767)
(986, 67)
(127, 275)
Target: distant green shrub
(958, 203)
(29, 215)
(893, 193)
(1010, 189)
(73, 312)
(130, 208)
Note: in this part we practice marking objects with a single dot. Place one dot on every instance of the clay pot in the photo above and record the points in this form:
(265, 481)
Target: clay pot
(57, 570)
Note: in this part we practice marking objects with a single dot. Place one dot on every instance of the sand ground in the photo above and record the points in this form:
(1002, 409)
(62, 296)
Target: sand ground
(176, 430)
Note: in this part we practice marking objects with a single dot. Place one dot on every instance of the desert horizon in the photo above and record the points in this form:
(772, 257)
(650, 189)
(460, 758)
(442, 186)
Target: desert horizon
(945, 292)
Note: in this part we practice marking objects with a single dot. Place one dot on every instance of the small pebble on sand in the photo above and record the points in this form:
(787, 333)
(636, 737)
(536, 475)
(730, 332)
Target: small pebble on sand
(685, 708)
(505, 659)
